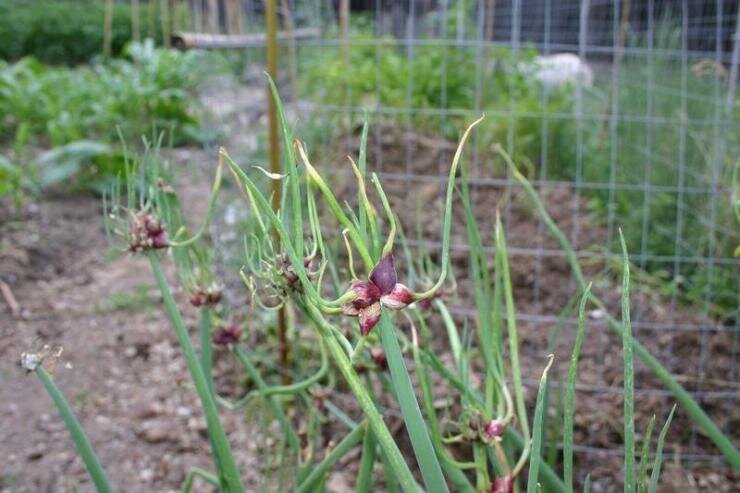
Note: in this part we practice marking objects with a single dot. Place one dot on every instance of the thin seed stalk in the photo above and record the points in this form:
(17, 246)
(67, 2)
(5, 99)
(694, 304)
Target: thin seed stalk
(75, 430)
(365, 472)
(285, 424)
(206, 349)
(343, 447)
(516, 373)
(229, 471)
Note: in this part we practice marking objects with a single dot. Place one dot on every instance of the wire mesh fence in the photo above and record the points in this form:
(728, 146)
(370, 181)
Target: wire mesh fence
(637, 127)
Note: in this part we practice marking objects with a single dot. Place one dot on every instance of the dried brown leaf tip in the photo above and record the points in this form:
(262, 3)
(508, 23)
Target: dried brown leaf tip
(47, 356)
(209, 296)
(289, 275)
(382, 289)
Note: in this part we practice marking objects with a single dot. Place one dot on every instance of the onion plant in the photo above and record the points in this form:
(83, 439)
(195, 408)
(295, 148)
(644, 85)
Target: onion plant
(467, 430)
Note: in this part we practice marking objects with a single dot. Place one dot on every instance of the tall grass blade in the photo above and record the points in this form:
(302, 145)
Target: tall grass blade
(629, 375)
(516, 374)
(539, 413)
(426, 457)
(570, 393)
(642, 475)
(655, 475)
(290, 168)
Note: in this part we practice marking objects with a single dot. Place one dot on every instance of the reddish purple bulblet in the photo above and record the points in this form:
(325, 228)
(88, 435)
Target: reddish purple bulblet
(227, 335)
(381, 290)
(503, 485)
(146, 233)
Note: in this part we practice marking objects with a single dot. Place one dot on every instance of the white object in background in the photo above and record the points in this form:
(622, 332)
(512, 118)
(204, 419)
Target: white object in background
(555, 71)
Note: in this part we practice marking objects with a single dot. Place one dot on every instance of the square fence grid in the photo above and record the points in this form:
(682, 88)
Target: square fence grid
(651, 145)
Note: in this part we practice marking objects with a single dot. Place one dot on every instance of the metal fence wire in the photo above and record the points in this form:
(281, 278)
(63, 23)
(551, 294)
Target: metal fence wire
(637, 127)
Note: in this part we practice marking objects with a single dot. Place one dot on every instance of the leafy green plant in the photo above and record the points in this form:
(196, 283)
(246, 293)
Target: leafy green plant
(83, 113)
(67, 31)
(481, 438)
(441, 78)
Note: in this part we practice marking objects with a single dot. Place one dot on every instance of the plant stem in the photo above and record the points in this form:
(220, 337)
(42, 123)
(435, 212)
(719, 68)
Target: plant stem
(254, 374)
(229, 471)
(344, 446)
(539, 412)
(78, 434)
(655, 476)
(377, 425)
(415, 425)
(206, 349)
(629, 376)
(570, 393)
(365, 473)
(197, 472)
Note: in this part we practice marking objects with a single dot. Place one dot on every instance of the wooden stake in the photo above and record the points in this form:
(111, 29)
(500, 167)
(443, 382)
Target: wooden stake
(616, 68)
(490, 19)
(135, 24)
(174, 17)
(151, 28)
(213, 25)
(194, 16)
(108, 27)
(289, 27)
(164, 19)
(344, 30)
(272, 69)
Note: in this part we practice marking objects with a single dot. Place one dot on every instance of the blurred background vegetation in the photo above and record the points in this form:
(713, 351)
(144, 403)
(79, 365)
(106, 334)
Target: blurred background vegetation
(65, 110)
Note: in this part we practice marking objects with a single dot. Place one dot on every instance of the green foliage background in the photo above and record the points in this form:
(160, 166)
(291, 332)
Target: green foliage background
(66, 31)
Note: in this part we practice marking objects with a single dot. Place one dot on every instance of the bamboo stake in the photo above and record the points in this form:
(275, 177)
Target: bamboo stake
(289, 27)
(213, 16)
(196, 19)
(205, 41)
(228, 12)
(174, 17)
(151, 30)
(490, 19)
(239, 17)
(272, 69)
(344, 30)
(107, 27)
(623, 25)
(164, 19)
(135, 21)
